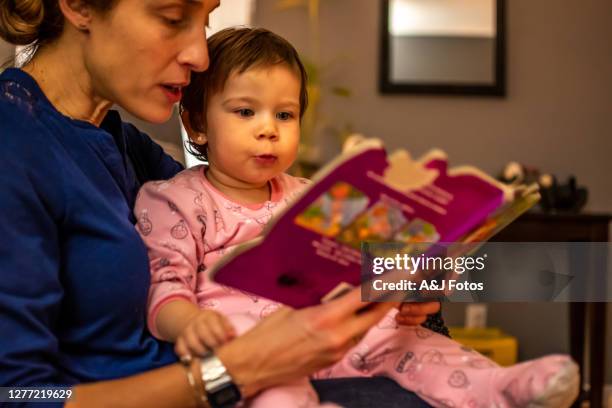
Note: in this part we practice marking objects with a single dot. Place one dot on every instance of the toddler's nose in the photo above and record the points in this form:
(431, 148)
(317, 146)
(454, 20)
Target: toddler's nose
(268, 131)
(272, 135)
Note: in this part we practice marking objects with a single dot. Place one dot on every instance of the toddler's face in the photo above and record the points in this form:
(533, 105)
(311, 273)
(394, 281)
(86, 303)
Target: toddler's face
(254, 126)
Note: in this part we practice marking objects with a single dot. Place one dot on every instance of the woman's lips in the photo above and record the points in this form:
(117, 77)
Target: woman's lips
(266, 159)
(173, 93)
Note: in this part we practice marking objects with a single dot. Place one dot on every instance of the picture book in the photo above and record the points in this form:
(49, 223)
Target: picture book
(365, 195)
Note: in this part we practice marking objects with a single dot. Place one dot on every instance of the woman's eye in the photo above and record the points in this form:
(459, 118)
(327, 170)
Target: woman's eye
(284, 115)
(173, 21)
(245, 112)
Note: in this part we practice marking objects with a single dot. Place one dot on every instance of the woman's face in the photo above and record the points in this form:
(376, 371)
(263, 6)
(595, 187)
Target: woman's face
(141, 53)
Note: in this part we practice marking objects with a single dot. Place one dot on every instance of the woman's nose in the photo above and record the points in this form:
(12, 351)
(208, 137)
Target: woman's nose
(195, 53)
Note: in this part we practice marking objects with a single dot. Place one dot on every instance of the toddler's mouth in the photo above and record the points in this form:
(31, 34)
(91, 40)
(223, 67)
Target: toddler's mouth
(266, 159)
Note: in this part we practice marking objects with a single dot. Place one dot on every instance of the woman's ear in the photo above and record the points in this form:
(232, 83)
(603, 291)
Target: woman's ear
(77, 12)
(196, 137)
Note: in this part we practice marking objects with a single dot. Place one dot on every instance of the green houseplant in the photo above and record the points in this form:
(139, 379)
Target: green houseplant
(313, 122)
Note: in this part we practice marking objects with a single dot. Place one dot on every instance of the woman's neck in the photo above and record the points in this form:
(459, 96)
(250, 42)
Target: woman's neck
(59, 70)
(241, 193)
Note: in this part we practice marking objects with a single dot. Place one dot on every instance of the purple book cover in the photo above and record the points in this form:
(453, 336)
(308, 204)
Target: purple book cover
(363, 195)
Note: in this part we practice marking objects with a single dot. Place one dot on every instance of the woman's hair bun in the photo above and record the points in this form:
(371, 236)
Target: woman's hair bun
(20, 20)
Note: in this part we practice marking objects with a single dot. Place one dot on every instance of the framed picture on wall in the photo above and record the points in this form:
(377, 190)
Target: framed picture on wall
(452, 47)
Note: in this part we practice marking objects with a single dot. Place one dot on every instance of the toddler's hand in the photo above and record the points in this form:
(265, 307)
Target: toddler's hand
(206, 331)
(414, 313)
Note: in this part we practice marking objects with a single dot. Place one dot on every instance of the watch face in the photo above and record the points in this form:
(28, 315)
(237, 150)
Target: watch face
(225, 396)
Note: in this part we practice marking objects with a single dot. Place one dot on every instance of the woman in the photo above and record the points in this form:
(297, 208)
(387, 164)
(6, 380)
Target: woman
(74, 271)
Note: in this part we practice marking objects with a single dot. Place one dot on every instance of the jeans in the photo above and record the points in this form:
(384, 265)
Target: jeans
(379, 392)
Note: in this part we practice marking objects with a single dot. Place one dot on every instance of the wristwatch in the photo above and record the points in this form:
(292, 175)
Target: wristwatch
(221, 391)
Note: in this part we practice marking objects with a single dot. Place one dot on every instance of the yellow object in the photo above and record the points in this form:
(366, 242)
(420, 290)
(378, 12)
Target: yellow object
(490, 342)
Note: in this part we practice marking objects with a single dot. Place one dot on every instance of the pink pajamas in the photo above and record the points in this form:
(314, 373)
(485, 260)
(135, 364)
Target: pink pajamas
(188, 225)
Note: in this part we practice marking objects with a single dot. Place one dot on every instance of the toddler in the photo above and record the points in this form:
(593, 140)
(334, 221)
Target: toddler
(243, 117)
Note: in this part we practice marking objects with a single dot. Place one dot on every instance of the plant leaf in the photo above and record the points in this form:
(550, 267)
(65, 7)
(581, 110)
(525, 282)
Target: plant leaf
(341, 91)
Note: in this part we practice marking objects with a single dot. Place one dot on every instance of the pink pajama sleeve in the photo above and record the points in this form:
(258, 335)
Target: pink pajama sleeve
(163, 224)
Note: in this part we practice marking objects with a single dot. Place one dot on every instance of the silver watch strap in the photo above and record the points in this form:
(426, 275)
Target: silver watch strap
(214, 373)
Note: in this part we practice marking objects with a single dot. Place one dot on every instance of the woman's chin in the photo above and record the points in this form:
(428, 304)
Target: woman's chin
(152, 113)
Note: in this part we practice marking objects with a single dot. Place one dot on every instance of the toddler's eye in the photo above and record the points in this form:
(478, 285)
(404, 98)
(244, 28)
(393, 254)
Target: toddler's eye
(245, 112)
(284, 115)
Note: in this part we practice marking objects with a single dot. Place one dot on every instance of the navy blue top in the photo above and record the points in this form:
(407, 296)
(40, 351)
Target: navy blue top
(74, 273)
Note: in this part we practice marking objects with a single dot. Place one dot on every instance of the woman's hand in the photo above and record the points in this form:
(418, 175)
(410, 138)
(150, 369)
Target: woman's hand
(205, 331)
(415, 313)
(294, 343)
(286, 345)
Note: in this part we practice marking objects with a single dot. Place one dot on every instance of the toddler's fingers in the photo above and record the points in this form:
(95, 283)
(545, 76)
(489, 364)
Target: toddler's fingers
(409, 321)
(180, 348)
(228, 327)
(207, 335)
(215, 325)
(195, 342)
(416, 309)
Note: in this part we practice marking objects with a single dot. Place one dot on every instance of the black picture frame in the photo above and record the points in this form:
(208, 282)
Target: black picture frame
(496, 89)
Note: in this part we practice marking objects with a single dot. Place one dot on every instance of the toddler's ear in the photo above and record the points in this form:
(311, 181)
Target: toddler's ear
(196, 137)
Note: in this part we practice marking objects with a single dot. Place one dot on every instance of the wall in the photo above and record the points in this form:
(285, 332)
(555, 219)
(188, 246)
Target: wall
(556, 115)
(6, 52)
